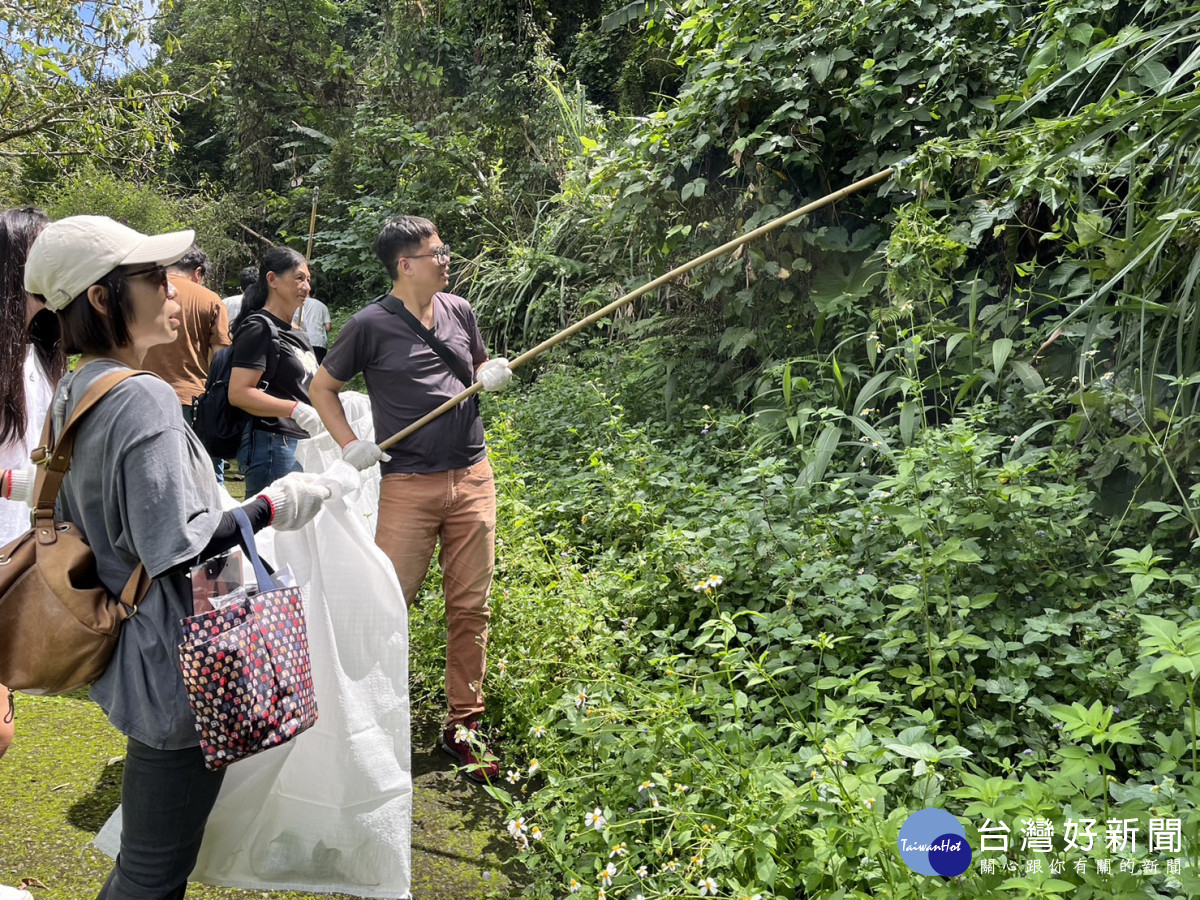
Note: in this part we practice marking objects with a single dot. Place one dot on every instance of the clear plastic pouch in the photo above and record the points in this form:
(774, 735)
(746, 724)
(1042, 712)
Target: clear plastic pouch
(216, 579)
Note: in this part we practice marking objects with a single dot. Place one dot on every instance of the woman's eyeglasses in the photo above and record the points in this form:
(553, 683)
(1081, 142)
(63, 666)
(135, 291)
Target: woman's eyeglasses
(441, 254)
(156, 273)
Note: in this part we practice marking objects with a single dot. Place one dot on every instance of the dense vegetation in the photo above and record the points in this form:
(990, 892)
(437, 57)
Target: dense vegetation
(894, 508)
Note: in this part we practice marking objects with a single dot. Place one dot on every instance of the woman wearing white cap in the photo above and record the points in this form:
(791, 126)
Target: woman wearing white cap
(141, 490)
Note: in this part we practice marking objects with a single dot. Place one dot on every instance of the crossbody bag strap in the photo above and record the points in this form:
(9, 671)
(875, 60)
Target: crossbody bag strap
(396, 308)
(54, 461)
(52, 466)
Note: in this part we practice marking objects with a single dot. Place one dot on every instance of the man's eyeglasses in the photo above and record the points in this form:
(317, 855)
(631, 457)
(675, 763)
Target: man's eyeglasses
(157, 273)
(441, 254)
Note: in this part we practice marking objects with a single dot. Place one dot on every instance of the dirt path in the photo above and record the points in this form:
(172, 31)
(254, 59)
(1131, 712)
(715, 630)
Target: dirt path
(459, 845)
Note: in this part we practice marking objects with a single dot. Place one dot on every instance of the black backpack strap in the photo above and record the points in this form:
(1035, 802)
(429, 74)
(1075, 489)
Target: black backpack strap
(454, 363)
(273, 352)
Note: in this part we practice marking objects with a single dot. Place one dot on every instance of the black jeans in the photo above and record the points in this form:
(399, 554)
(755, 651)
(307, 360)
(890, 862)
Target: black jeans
(166, 797)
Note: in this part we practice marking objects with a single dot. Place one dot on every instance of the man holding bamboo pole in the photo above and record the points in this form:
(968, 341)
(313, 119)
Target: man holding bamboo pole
(418, 347)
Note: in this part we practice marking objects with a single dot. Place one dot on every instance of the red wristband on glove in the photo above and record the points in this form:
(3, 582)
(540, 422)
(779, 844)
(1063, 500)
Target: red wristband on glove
(270, 504)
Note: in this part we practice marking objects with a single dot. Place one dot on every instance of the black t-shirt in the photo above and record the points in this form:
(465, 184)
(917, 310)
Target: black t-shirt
(288, 367)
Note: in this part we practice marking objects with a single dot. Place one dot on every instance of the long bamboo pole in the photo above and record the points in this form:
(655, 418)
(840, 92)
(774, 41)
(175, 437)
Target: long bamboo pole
(312, 224)
(644, 289)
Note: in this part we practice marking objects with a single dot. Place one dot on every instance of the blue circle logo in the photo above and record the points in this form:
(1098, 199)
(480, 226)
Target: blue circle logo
(933, 842)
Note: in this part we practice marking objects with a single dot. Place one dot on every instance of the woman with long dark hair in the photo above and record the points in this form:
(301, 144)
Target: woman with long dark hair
(272, 367)
(31, 362)
(141, 491)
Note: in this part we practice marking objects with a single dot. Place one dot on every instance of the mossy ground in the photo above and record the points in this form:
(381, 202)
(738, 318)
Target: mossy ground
(62, 779)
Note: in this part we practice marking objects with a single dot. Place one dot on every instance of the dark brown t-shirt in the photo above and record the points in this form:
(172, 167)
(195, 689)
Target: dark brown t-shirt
(203, 326)
(406, 379)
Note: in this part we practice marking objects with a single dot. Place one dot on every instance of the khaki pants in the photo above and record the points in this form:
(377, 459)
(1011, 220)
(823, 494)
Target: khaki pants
(457, 509)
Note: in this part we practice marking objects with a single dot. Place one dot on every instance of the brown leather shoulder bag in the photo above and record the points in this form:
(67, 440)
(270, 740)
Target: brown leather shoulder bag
(58, 623)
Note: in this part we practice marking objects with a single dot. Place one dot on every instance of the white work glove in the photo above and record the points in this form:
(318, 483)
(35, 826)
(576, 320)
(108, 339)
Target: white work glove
(295, 498)
(17, 485)
(495, 374)
(341, 478)
(308, 419)
(363, 454)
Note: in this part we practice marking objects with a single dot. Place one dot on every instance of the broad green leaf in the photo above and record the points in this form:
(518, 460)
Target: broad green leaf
(1001, 348)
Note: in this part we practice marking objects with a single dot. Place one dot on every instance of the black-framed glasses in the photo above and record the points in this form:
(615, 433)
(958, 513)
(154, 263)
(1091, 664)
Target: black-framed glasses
(156, 273)
(442, 254)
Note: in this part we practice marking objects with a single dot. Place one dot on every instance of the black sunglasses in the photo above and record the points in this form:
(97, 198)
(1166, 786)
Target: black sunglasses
(157, 273)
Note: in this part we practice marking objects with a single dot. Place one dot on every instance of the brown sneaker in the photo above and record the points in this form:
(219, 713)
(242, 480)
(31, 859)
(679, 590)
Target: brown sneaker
(463, 744)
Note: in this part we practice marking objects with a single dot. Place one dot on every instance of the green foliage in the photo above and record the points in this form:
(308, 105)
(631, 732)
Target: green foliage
(754, 676)
(72, 87)
(89, 191)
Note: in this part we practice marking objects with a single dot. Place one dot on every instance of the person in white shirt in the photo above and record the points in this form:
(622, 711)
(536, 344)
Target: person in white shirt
(313, 317)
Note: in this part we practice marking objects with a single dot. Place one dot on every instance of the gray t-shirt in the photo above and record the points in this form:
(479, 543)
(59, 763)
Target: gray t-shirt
(407, 379)
(140, 488)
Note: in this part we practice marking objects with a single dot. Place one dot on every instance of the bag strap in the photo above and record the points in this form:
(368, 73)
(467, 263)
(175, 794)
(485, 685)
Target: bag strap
(246, 539)
(398, 309)
(53, 461)
(54, 458)
(272, 347)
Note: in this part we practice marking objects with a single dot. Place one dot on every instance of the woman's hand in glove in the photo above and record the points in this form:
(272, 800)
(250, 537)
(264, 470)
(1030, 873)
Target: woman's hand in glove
(295, 499)
(17, 484)
(307, 418)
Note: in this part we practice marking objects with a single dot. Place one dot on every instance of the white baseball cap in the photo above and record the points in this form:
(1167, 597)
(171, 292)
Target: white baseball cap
(72, 254)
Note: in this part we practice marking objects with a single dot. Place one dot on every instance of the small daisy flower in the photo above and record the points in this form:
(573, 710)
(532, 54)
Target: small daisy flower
(513, 776)
(681, 788)
(580, 698)
(462, 734)
(534, 765)
(618, 850)
(642, 871)
(594, 819)
(601, 894)
(575, 886)
(516, 827)
(870, 802)
(539, 731)
(707, 886)
(671, 865)
(644, 786)
(697, 860)
(654, 801)
(522, 843)
(607, 874)
(536, 833)
(502, 666)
